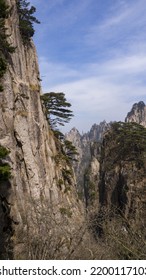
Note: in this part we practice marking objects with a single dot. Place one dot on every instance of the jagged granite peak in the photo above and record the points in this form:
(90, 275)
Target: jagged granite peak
(74, 136)
(94, 134)
(75, 130)
(97, 130)
(83, 143)
(137, 114)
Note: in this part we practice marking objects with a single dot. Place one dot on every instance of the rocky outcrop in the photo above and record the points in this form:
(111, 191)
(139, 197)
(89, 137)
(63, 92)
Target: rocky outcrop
(91, 179)
(84, 144)
(122, 173)
(137, 114)
(121, 218)
(96, 132)
(115, 187)
(42, 202)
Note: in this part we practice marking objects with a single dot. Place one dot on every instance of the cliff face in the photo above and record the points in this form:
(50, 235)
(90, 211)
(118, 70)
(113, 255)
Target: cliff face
(85, 147)
(114, 183)
(137, 114)
(41, 202)
(91, 178)
(122, 173)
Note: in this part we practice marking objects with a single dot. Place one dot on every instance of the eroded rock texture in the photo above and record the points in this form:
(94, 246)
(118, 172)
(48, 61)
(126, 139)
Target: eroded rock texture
(43, 203)
(122, 187)
(91, 178)
(137, 114)
(85, 145)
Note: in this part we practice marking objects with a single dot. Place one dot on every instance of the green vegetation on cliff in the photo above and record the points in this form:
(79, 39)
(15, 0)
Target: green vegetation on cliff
(121, 218)
(4, 167)
(127, 143)
(58, 113)
(26, 20)
(57, 108)
(5, 46)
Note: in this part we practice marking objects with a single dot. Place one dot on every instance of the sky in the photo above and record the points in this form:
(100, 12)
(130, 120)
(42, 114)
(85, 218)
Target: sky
(95, 52)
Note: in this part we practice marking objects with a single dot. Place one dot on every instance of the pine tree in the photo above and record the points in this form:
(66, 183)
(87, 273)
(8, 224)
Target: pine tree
(57, 113)
(128, 142)
(5, 170)
(5, 46)
(4, 8)
(26, 20)
(70, 150)
(57, 105)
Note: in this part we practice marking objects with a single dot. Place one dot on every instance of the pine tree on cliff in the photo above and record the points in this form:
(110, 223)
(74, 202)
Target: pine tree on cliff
(5, 46)
(57, 113)
(57, 108)
(26, 19)
(5, 169)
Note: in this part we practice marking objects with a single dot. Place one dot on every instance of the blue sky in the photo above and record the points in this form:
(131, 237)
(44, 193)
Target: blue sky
(95, 52)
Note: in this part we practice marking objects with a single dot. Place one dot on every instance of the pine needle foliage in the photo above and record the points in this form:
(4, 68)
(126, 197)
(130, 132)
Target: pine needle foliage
(5, 170)
(70, 150)
(128, 143)
(57, 108)
(4, 11)
(26, 20)
(58, 113)
(3, 67)
(5, 46)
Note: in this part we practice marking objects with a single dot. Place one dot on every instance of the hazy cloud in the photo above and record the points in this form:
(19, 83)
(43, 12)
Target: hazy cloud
(104, 90)
(94, 52)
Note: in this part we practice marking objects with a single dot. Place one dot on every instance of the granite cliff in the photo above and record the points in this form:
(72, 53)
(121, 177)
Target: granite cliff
(137, 114)
(89, 149)
(121, 217)
(84, 144)
(41, 215)
(39, 209)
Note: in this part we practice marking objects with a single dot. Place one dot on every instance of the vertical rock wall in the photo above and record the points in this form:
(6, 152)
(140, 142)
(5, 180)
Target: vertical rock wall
(37, 191)
(122, 174)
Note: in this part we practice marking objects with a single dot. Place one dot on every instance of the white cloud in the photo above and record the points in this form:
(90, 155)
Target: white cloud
(128, 64)
(55, 73)
(123, 24)
(115, 44)
(104, 90)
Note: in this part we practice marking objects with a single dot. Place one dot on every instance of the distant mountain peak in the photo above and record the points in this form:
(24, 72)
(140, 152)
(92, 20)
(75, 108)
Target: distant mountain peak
(73, 133)
(137, 114)
(139, 105)
(74, 129)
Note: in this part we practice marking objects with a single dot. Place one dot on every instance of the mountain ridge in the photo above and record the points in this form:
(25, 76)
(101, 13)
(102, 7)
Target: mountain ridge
(84, 142)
